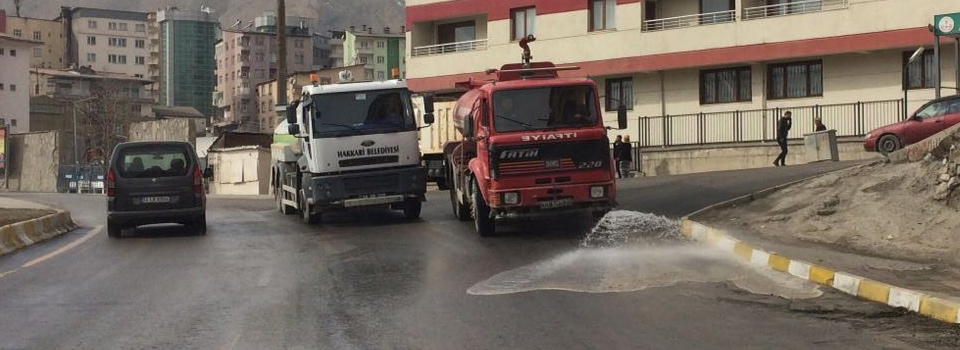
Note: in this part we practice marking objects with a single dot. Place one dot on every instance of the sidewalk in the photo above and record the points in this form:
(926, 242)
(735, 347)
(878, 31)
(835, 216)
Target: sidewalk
(10, 203)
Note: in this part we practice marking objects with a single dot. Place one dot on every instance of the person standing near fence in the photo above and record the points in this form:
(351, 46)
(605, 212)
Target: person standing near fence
(818, 125)
(783, 130)
(616, 153)
(626, 157)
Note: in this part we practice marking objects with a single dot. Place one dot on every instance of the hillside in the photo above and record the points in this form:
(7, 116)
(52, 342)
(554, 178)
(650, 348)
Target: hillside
(333, 14)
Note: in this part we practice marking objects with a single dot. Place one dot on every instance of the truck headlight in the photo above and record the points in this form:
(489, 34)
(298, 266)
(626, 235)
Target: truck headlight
(511, 198)
(597, 191)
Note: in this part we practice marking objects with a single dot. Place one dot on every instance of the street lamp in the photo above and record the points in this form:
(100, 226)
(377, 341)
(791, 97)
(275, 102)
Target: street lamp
(906, 77)
(76, 156)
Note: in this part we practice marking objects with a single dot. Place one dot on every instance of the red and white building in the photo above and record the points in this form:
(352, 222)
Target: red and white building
(719, 68)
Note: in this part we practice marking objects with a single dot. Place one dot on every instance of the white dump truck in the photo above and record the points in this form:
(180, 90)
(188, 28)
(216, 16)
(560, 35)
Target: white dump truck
(350, 145)
(434, 136)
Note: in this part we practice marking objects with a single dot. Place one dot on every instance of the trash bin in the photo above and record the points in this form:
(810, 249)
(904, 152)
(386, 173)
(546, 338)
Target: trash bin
(821, 146)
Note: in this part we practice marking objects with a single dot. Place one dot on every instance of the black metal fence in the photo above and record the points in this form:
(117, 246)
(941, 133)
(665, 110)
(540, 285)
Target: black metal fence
(848, 119)
(81, 179)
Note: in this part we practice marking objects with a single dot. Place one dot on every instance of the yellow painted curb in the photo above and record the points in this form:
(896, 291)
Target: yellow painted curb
(939, 309)
(821, 275)
(743, 250)
(779, 263)
(873, 290)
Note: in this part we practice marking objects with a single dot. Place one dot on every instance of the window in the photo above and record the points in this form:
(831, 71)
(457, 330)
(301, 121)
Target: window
(381, 76)
(140, 60)
(602, 14)
(13, 122)
(299, 58)
(920, 74)
(381, 44)
(91, 40)
(17, 33)
(725, 85)
(364, 44)
(273, 73)
(1, 86)
(91, 57)
(92, 24)
(141, 28)
(112, 59)
(37, 36)
(793, 80)
(112, 41)
(123, 27)
(122, 42)
(380, 59)
(456, 32)
(136, 109)
(363, 59)
(619, 91)
(13, 87)
(1, 51)
(522, 22)
(151, 161)
(939, 108)
(112, 25)
(13, 53)
(37, 52)
(140, 44)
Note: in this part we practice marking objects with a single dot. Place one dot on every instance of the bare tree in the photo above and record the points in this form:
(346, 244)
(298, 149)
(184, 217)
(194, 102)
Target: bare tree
(105, 121)
(16, 4)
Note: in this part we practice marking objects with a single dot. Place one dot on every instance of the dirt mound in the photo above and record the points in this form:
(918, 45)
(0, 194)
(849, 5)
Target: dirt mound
(906, 211)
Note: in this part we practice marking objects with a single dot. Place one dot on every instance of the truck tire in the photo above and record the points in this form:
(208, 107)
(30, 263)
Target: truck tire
(412, 208)
(307, 213)
(485, 225)
(460, 210)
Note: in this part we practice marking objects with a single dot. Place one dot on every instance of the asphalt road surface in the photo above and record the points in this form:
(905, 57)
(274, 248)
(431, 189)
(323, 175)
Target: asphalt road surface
(260, 280)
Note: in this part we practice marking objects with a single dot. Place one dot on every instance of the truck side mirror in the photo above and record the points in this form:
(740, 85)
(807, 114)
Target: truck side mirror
(428, 109)
(428, 118)
(622, 117)
(207, 173)
(293, 129)
(468, 126)
(292, 113)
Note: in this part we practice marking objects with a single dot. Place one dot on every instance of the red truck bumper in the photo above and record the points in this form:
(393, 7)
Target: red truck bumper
(554, 200)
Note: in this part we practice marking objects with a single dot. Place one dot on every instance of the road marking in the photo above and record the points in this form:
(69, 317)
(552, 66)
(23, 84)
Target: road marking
(65, 248)
(2, 274)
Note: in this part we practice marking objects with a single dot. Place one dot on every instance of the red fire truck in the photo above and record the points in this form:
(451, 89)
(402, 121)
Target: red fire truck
(532, 144)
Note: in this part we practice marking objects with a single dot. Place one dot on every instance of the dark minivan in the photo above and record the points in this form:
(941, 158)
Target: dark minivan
(155, 183)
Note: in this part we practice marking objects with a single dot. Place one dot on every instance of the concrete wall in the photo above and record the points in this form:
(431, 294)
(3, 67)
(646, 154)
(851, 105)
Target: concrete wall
(240, 171)
(695, 160)
(33, 160)
(164, 130)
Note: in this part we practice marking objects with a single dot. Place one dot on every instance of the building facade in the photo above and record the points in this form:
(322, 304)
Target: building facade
(86, 86)
(380, 51)
(700, 71)
(49, 32)
(15, 82)
(109, 40)
(245, 59)
(153, 62)
(187, 60)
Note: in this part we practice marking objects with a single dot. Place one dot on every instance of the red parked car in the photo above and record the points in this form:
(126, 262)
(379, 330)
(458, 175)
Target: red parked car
(933, 117)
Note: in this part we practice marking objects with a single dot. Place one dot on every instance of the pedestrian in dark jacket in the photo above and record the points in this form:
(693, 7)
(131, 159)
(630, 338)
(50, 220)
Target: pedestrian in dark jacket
(616, 153)
(783, 129)
(626, 157)
(818, 125)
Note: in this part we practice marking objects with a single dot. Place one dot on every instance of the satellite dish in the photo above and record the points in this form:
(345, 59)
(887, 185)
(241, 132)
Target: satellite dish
(346, 76)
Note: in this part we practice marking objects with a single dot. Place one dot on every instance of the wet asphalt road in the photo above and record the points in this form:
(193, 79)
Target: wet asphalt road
(259, 280)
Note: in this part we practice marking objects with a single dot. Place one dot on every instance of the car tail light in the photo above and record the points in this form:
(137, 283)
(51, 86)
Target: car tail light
(111, 183)
(197, 181)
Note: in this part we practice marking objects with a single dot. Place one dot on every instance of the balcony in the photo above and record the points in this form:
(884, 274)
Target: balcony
(793, 8)
(462, 46)
(217, 98)
(700, 19)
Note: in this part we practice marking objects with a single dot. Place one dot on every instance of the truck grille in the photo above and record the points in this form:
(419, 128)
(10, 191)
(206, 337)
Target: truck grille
(373, 184)
(369, 161)
(551, 157)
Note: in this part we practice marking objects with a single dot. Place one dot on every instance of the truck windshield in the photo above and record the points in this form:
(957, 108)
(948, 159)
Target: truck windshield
(362, 112)
(544, 108)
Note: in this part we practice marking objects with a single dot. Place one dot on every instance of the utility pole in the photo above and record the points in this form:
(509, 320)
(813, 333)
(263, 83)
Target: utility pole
(281, 56)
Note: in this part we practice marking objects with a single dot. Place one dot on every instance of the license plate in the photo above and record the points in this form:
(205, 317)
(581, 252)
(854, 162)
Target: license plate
(557, 203)
(152, 200)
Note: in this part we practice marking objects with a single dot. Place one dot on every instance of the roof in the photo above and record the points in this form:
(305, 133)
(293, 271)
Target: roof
(239, 139)
(4, 36)
(203, 145)
(353, 87)
(177, 112)
(96, 75)
(83, 12)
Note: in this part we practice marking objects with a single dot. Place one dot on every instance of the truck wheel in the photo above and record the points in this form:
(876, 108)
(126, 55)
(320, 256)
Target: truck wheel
(442, 184)
(481, 214)
(411, 209)
(307, 213)
(460, 210)
(282, 208)
(113, 230)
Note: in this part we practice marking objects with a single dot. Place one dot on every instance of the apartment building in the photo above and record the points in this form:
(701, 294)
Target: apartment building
(85, 85)
(187, 40)
(244, 59)
(15, 82)
(701, 71)
(108, 40)
(380, 51)
(267, 91)
(49, 32)
(153, 62)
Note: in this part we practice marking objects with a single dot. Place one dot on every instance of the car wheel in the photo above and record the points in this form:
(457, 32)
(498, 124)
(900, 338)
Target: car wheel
(412, 208)
(113, 230)
(484, 224)
(888, 144)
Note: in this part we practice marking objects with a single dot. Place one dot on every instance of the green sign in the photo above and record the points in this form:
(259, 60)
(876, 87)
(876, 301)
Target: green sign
(947, 24)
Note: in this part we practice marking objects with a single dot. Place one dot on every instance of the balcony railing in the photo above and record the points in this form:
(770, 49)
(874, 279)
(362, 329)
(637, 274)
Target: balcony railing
(848, 119)
(461, 46)
(689, 21)
(793, 8)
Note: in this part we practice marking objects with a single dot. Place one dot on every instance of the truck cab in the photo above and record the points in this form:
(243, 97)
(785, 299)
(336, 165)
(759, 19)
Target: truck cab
(533, 144)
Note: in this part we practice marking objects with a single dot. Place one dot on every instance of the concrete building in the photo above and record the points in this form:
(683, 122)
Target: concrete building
(49, 32)
(267, 91)
(336, 48)
(108, 40)
(322, 51)
(153, 62)
(380, 51)
(244, 59)
(15, 82)
(84, 83)
(700, 71)
(187, 61)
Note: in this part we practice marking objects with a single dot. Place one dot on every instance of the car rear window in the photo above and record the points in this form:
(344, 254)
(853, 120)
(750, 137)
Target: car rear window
(153, 161)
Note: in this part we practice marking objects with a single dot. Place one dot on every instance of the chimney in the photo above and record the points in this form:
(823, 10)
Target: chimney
(364, 27)
(353, 29)
(370, 30)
